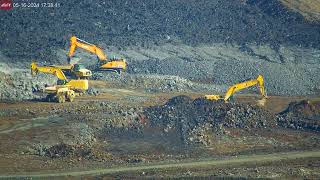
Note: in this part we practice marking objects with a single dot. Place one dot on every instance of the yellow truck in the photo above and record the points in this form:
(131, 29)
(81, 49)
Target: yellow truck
(65, 90)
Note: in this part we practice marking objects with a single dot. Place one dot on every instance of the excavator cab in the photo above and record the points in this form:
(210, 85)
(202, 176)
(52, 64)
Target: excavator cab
(77, 67)
(80, 71)
(75, 71)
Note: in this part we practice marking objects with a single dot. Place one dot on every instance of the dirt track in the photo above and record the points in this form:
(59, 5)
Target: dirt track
(108, 130)
(152, 120)
(250, 159)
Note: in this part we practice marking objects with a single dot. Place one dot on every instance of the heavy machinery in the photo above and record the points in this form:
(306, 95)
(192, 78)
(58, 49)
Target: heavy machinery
(65, 89)
(114, 64)
(75, 71)
(239, 86)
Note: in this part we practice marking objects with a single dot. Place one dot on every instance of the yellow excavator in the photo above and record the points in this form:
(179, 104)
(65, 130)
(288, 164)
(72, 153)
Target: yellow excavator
(114, 64)
(239, 86)
(76, 71)
(65, 90)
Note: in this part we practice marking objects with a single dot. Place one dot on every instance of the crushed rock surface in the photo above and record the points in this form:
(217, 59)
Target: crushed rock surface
(185, 116)
(301, 115)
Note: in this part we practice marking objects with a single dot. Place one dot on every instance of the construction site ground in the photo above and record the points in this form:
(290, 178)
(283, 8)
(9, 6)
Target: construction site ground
(150, 121)
(108, 136)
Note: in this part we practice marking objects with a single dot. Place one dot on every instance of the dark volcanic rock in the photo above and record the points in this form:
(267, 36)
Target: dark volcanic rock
(36, 32)
(63, 150)
(301, 115)
(59, 150)
(182, 114)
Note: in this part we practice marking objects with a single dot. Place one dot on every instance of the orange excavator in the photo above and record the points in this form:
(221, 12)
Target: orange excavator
(114, 64)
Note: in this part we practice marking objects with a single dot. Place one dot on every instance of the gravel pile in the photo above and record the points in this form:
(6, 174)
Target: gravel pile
(301, 115)
(215, 42)
(155, 82)
(62, 150)
(288, 71)
(184, 115)
(20, 85)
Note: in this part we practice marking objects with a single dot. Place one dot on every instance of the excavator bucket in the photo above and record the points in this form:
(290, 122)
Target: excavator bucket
(262, 102)
(34, 69)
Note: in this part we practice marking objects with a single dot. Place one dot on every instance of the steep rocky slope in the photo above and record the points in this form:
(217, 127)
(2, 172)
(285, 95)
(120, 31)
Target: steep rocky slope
(204, 41)
(35, 32)
(308, 8)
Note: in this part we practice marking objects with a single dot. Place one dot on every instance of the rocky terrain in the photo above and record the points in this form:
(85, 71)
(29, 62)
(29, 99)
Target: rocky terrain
(288, 71)
(308, 8)
(292, 71)
(184, 115)
(193, 120)
(209, 42)
(177, 51)
(20, 85)
(128, 127)
(131, 23)
(301, 115)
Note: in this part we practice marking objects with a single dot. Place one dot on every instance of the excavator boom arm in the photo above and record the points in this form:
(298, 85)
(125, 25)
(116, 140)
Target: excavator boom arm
(50, 70)
(261, 86)
(75, 42)
(246, 84)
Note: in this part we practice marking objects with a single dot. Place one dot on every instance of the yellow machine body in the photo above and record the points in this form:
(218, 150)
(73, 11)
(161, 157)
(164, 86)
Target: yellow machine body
(65, 91)
(239, 86)
(78, 85)
(76, 70)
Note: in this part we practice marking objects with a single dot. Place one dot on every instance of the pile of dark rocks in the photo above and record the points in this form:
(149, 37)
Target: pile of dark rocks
(183, 114)
(303, 115)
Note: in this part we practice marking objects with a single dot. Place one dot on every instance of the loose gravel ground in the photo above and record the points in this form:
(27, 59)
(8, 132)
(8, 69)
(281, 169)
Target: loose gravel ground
(210, 42)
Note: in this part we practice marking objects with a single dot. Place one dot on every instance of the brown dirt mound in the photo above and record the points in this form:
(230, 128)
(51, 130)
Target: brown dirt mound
(305, 108)
(301, 115)
(182, 114)
(64, 150)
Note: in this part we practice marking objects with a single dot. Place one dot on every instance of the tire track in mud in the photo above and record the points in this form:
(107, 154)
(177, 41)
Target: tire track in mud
(204, 163)
(29, 124)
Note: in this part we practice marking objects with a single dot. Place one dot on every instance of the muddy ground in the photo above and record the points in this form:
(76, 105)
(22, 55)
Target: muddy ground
(120, 127)
(154, 114)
